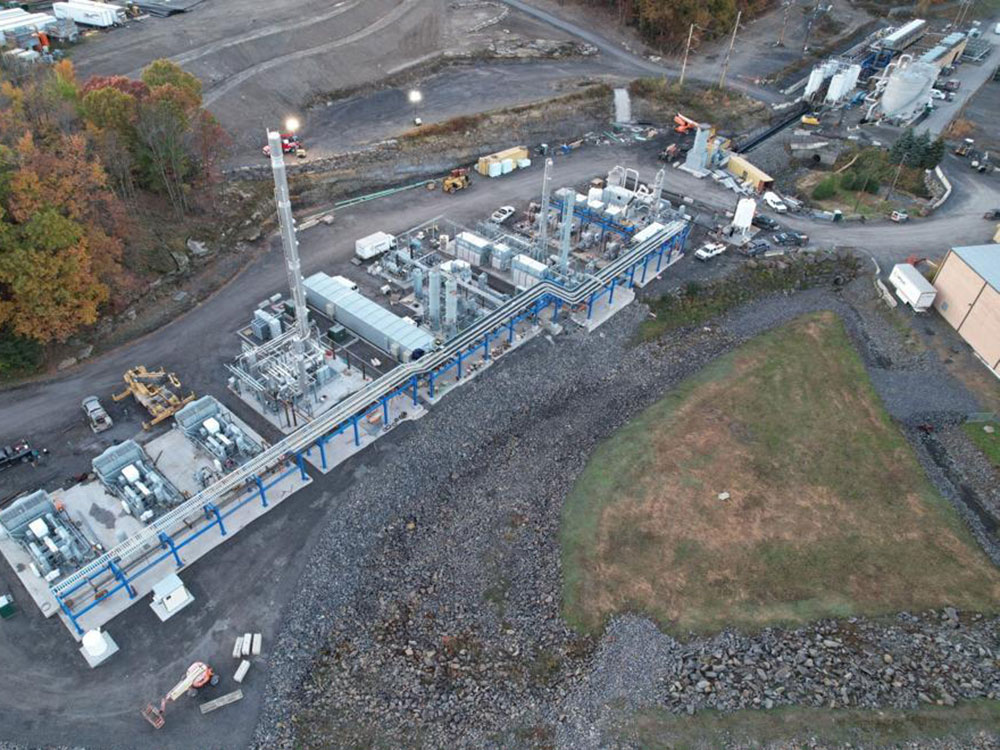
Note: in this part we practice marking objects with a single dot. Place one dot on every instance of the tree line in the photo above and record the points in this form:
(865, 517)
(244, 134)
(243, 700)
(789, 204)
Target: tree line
(76, 161)
(665, 23)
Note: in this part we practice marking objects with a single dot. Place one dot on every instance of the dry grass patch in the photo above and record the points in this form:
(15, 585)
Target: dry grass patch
(829, 512)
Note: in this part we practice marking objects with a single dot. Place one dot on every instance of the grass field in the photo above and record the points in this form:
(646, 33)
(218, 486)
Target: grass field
(987, 442)
(829, 513)
(656, 730)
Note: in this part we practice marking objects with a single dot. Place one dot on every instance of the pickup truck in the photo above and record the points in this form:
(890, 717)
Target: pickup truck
(18, 453)
(709, 251)
(97, 417)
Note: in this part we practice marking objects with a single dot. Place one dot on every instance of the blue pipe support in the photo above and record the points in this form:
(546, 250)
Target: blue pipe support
(357, 437)
(430, 384)
(321, 444)
(385, 411)
(611, 296)
(167, 541)
(70, 615)
(415, 402)
(486, 347)
(263, 490)
(459, 377)
(212, 510)
(117, 572)
(300, 460)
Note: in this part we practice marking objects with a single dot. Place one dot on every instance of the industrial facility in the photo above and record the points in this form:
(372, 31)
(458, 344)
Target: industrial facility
(335, 369)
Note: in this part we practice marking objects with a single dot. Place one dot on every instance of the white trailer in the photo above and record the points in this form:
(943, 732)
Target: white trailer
(911, 287)
(100, 15)
(374, 245)
(16, 22)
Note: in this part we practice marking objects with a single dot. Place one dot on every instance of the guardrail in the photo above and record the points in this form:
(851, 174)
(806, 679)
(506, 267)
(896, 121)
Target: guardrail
(305, 437)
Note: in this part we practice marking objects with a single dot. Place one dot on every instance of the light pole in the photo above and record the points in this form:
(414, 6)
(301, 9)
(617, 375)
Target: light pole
(292, 124)
(415, 97)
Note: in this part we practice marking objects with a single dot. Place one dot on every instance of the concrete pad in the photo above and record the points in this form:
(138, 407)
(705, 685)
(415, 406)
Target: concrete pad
(99, 514)
(95, 661)
(651, 273)
(601, 311)
(111, 606)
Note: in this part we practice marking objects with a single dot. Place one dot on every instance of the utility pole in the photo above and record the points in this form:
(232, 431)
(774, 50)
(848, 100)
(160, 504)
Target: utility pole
(687, 49)
(729, 52)
(784, 23)
(809, 27)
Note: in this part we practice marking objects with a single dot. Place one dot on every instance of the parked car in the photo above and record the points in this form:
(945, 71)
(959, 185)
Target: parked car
(97, 417)
(938, 94)
(790, 238)
(502, 214)
(755, 248)
(709, 250)
(765, 222)
(993, 213)
(899, 216)
(773, 200)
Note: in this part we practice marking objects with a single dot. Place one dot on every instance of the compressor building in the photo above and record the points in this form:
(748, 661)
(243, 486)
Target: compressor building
(968, 297)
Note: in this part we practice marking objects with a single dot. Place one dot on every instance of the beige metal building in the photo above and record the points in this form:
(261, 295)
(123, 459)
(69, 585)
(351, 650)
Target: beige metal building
(968, 297)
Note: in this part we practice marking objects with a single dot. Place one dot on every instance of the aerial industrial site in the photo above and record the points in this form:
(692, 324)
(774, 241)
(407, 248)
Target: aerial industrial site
(499, 374)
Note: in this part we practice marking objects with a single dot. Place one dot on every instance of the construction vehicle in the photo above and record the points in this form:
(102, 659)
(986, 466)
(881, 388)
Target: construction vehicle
(290, 144)
(18, 453)
(669, 153)
(684, 124)
(198, 675)
(152, 389)
(810, 119)
(964, 147)
(458, 179)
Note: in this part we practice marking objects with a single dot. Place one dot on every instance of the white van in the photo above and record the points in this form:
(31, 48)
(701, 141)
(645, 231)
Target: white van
(775, 203)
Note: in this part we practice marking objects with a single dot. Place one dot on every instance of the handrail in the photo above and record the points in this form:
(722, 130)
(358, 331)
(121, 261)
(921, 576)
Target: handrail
(308, 434)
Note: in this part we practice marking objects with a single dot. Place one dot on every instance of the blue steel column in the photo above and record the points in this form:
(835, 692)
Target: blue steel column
(510, 331)
(430, 384)
(212, 510)
(645, 262)
(113, 567)
(322, 450)
(167, 541)
(262, 490)
(69, 614)
(459, 365)
(385, 411)
(415, 402)
(555, 313)
(486, 347)
(590, 305)
(611, 297)
(357, 437)
(300, 460)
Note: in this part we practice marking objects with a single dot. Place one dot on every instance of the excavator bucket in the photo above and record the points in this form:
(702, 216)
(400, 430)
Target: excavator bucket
(154, 716)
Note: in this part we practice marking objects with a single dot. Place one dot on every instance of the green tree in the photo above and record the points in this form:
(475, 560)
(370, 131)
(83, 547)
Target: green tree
(826, 189)
(166, 73)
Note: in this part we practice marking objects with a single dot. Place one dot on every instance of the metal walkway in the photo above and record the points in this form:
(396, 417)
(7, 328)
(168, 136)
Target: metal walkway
(114, 563)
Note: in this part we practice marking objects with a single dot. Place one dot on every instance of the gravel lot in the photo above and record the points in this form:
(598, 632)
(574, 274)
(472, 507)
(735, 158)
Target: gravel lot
(430, 613)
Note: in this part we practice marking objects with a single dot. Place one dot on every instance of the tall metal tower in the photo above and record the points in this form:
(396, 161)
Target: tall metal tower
(657, 197)
(542, 250)
(290, 245)
(568, 198)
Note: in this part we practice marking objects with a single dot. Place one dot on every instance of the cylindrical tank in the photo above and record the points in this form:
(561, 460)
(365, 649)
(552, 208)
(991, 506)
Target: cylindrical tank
(94, 643)
(908, 89)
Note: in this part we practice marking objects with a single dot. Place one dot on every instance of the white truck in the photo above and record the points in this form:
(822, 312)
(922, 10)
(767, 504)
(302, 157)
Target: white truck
(374, 245)
(911, 287)
(709, 251)
(774, 202)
